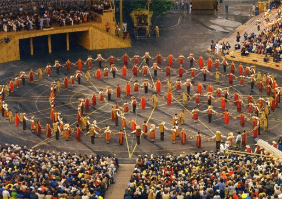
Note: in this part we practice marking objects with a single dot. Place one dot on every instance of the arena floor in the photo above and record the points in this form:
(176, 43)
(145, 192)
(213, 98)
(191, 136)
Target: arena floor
(189, 35)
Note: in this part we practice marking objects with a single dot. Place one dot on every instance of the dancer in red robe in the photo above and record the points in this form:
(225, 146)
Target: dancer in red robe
(48, 130)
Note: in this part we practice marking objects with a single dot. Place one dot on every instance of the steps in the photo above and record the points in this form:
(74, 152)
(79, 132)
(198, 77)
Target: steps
(250, 60)
(253, 59)
(121, 179)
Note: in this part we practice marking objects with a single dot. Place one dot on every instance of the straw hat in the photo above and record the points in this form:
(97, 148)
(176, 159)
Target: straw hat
(138, 127)
(188, 80)
(99, 55)
(210, 107)
(218, 132)
(145, 80)
(273, 142)
(230, 134)
(248, 146)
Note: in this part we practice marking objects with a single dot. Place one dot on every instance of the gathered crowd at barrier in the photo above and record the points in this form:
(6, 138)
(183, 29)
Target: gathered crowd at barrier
(205, 175)
(37, 15)
(39, 174)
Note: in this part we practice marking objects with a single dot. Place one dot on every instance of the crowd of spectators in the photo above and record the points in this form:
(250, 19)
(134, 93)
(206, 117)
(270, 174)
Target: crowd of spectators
(205, 175)
(38, 174)
(17, 15)
(268, 41)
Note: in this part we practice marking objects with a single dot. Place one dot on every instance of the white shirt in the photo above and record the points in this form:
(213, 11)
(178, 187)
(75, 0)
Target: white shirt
(5, 193)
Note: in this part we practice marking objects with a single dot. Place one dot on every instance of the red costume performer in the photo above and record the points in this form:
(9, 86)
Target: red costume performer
(68, 64)
(134, 70)
(87, 104)
(125, 59)
(240, 69)
(48, 130)
(192, 72)
(167, 69)
(239, 105)
(52, 111)
(66, 82)
(79, 64)
(38, 128)
(17, 119)
(260, 86)
(170, 57)
(223, 103)
(209, 63)
(30, 76)
(133, 125)
(112, 60)
(159, 59)
(226, 117)
(124, 70)
(242, 119)
(11, 86)
(183, 137)
(120, 138)
(169, 98)
(232, 68)
(200, 88)
(201, 62)
(244, 138)
(78, 133)
(98, 74)
(127, 89)
(198, 141)
(94, 100)
(230, 78)
(143, 102)
(180, 71)
(118, 90)
(158, 86)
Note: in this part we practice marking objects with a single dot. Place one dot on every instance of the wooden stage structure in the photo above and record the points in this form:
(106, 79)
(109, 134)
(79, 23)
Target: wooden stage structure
(203, 6)
(92, 36)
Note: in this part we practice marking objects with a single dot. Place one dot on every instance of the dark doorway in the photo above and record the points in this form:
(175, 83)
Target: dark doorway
(24, 48)
(40, 45)
(58, 42)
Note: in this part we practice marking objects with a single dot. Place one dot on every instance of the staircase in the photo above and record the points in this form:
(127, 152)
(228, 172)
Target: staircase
(111, 40)
(121, 179)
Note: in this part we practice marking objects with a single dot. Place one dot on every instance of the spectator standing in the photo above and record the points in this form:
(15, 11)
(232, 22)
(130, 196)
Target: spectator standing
(6, 39)
(107, 27)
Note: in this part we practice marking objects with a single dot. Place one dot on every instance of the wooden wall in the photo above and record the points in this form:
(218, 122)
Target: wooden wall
(203, 6)
(10, 51)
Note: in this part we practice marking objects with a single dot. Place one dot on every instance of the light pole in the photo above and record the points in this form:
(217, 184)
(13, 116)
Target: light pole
(120, 14)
